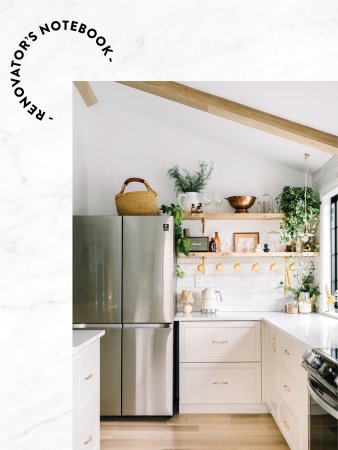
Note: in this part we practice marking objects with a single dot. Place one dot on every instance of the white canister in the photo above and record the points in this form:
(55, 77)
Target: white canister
(304, 303)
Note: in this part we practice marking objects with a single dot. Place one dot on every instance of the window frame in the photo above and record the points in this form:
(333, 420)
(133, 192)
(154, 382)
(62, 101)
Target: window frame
(334, 242)
(325, 261)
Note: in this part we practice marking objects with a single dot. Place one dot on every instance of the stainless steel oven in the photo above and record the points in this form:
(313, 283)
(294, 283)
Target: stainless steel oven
(322, 382)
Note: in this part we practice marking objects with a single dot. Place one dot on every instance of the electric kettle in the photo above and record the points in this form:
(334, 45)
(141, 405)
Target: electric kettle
(210, 302)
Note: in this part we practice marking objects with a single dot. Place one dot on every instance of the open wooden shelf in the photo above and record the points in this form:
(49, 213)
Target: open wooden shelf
(234, 216)
(246, 254)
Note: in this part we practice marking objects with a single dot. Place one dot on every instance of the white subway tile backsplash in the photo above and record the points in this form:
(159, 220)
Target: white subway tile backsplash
(243, 290)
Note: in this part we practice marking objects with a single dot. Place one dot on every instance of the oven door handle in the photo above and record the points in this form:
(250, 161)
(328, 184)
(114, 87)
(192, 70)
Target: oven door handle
(321, 402)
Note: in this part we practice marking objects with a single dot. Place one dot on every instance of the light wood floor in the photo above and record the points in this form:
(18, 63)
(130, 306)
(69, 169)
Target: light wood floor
(195, 431)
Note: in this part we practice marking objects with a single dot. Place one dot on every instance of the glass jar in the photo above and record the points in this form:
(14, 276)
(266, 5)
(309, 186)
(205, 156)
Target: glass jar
(265, 203)
(274, 240)
(292, 306)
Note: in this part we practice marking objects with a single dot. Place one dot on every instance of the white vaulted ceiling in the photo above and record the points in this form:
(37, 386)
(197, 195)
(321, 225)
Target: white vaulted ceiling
(314, 104)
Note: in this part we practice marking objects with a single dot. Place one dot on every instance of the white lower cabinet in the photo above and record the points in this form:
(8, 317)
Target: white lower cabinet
(221, 371)
(220, 367)
(89, 427)
(233, 341)
(86, 398)
(270, 395)
(284, 382)
(289, 426)
(220, 383)
(288, 389)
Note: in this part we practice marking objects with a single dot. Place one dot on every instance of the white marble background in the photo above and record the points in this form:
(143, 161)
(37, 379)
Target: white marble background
(190, 40)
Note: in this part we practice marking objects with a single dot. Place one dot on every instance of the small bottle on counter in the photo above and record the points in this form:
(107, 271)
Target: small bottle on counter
(193, 208)
(218, 243)
(186, 232)
(212, 245)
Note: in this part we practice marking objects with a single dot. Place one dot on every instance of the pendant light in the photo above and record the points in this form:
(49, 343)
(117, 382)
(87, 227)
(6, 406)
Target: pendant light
(306, 234)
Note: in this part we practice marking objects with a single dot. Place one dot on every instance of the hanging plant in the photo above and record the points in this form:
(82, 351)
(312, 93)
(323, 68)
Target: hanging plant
(182, 244)
(292, 203)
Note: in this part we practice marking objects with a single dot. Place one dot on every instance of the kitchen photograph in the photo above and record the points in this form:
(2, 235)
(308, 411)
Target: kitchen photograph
(205, 267)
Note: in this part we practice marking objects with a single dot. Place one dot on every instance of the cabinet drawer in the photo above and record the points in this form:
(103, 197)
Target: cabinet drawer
(290, 355)
(89, 428)
(88, 372)
(220, 341)
(220, 383)
(289, 426)
(288, 389)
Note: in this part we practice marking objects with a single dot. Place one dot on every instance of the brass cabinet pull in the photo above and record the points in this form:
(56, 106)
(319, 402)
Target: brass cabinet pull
(89, 439)
(274, 349)
(286, 352)
(286, 424)
(219, 342)
(89, 376)
(286, 388)
(220, 382)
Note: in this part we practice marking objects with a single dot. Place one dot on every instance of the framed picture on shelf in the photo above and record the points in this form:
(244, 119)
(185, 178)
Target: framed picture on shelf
(245, 242)
(199, 244)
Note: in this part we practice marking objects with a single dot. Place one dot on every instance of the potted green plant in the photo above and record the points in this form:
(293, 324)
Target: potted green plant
(305, 280)
(182, 244)
(189, 184)
(292, 203)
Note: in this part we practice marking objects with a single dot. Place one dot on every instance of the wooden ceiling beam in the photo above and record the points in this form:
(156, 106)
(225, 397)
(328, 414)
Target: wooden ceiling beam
(242, 114)
(86, 92)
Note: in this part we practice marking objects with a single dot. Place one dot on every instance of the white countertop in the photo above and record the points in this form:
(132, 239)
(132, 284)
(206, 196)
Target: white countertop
(313, 330)
(82, 338)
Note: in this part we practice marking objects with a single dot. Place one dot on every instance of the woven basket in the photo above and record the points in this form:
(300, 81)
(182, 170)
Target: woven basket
(137, 203)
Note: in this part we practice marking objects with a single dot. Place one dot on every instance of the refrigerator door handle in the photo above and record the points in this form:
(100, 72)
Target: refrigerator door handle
(96, 325)
(147, 325)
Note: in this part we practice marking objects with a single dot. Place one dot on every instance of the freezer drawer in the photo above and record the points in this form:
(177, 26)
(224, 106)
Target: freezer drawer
(97, 265)
(110, 368)
(147, 371)
(148, 269)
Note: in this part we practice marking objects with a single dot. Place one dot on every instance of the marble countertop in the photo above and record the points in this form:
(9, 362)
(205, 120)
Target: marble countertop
(313, 330)
(82, 338)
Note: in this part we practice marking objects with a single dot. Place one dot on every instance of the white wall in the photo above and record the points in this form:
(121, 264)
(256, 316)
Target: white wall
(122, 145)
(326, 178)
(80, 170)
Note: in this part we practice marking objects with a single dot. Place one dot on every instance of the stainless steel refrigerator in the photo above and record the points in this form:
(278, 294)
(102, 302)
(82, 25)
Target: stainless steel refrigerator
(123, 283)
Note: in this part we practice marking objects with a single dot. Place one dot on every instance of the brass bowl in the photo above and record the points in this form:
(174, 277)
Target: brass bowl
(241, 203)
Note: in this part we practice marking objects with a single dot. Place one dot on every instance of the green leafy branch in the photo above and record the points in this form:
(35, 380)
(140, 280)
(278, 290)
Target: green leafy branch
(191, 182)
(182, 244)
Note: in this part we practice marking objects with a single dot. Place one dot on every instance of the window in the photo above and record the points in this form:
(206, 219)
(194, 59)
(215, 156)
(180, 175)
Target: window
(334, 243)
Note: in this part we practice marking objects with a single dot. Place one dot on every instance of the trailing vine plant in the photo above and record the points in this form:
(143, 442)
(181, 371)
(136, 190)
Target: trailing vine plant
(182, 244)
(292, 203)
